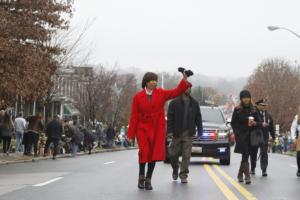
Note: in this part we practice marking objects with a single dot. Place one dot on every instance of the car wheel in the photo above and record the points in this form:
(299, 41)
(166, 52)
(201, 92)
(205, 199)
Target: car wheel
(225, 161)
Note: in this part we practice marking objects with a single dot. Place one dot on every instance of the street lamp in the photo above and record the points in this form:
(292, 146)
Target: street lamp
(274, 28)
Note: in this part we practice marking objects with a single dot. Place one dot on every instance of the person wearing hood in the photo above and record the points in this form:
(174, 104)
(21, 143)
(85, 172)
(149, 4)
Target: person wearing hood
(245, 118)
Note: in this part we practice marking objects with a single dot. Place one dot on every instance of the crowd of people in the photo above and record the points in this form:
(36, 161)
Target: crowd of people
(30, 136)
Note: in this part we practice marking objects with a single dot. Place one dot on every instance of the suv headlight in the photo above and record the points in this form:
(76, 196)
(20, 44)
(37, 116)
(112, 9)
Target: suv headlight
(223, 134)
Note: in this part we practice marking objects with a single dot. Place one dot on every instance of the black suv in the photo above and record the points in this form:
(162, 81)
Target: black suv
(215, 139)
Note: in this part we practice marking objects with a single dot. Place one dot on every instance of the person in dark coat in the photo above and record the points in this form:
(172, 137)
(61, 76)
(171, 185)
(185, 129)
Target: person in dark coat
(2, 113)
(268, 129)
(54, 133)
(6, 129)
(184, 116)
(89, 139)
(110, 134)
(244, 119)
(76, 138)
(35, 128)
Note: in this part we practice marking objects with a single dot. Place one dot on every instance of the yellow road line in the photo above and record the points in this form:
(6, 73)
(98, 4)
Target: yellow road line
(226, 191)
(239, 187)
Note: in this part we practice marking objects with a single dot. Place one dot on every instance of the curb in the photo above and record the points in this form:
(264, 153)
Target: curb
(65, 156)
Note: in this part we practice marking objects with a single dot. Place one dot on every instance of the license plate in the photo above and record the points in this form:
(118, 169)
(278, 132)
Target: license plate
(197, 149)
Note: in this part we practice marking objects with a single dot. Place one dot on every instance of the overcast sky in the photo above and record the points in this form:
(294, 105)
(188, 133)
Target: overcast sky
(225, 38)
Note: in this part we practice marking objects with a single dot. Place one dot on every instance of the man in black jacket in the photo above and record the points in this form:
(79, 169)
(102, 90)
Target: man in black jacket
(111, 134)
(54, 133)
(268, 129)
(183, 117)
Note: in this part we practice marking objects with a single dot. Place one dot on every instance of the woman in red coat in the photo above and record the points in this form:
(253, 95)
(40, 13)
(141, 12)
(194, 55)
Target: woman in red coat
(147, 123)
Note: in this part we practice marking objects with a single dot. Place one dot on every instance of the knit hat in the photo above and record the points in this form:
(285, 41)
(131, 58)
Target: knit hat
(245, 94)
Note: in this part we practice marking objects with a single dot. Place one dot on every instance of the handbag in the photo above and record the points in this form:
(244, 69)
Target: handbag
(256, 138)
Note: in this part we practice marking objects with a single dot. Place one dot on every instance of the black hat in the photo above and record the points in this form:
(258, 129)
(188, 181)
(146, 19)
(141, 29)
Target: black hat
(245, 94)
(263, 102)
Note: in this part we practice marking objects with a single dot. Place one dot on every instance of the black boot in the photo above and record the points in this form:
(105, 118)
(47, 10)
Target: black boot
(240, 174)
(141, 182)
(148, 185)
(175, 174)
(264, 173)
(247, 173)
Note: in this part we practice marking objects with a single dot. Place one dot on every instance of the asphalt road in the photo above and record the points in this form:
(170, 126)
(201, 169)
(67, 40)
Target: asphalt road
(113, 176)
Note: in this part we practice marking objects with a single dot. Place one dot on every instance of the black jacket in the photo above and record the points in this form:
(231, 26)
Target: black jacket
(76, 135)
(54, 129)
(175, 117)
(270, 129)
(239, 124)
(110, 133)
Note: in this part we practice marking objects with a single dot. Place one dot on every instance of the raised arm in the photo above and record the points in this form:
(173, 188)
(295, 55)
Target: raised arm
(180, 89)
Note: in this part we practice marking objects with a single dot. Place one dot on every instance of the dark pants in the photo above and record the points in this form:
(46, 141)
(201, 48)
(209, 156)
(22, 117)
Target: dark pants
(181, 145)
(298, 160)
(35, 141)
(245, 158)
(150, 170)
(264, 160)
(88, 144)
(55, 142)
(31, 139)
(6, 143)
(27, 142)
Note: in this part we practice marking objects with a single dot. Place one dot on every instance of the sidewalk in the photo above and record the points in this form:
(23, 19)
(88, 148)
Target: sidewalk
(17, 158)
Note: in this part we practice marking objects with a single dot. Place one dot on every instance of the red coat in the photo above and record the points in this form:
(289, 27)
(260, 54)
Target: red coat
(147, 122)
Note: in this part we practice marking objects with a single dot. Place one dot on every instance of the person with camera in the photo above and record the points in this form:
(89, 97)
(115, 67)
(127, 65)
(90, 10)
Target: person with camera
(184, 116)
(147, 123)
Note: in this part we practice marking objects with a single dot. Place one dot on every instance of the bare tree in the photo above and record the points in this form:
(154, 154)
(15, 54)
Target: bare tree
(279, 82)
(125, 89)
(96, 93)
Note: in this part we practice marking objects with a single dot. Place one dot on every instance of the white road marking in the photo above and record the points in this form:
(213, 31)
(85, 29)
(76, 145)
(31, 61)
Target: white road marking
(111, 162)
(48, 182)
(294, 166)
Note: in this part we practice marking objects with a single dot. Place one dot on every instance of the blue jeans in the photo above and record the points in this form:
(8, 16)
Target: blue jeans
(74, 149)
(19, 141)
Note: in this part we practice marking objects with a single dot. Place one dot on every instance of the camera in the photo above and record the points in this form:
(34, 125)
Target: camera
(187, 72)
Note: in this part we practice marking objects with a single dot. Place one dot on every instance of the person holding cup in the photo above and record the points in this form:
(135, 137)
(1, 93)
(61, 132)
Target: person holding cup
(244, 119)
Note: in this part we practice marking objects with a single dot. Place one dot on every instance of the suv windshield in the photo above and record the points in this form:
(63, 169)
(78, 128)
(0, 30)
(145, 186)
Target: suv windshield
(212, 115)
